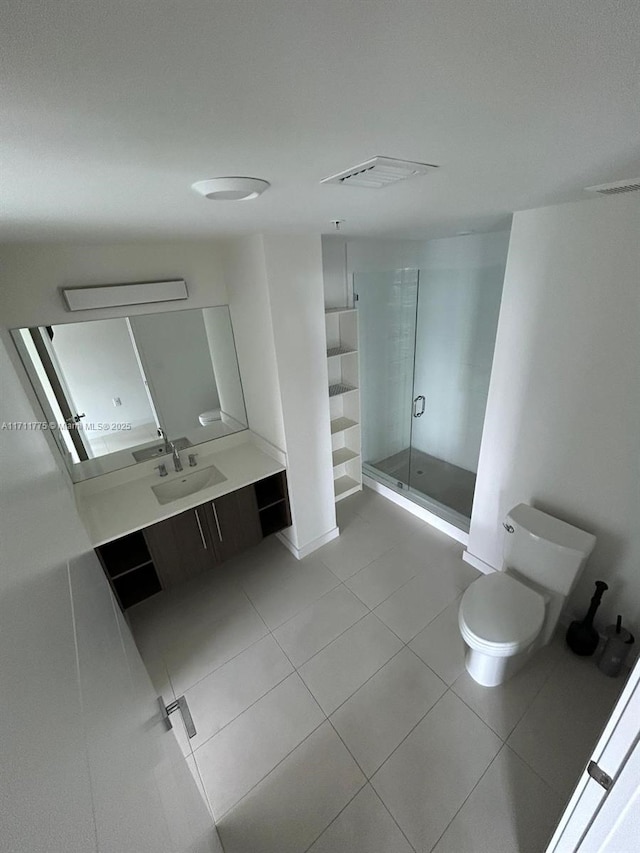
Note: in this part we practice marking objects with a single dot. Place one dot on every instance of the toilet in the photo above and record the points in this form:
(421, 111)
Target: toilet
(208, 418)
(505, 616)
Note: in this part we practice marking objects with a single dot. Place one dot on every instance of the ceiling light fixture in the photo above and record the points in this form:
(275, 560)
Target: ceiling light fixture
(231, 188)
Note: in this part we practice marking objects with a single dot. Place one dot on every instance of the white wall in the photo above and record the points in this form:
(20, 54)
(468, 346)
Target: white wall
(366, 254)
(99, 363)
(86, 764)
(33, 273)
(246, 278)
(294, 272)
(562, 429)
(175, 355)
(217, 324)
(334, 271)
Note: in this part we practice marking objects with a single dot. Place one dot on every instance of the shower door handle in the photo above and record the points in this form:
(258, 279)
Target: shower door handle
(422, 400)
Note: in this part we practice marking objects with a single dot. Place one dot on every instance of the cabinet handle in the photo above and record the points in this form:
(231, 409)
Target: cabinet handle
(204, 541)
(215, 515)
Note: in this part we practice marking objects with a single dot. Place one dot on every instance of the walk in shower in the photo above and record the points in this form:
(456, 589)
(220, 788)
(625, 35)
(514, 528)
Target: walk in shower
(426, 339)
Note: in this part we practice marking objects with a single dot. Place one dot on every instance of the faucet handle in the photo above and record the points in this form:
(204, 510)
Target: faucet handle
(161, 469)
(192, 460)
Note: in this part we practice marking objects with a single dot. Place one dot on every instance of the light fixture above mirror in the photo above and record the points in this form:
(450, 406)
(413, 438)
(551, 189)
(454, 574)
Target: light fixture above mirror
(116, 295)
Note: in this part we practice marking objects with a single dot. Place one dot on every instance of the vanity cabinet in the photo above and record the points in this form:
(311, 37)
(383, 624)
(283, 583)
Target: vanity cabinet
(180, 546)
(234, 522)
(172, 551)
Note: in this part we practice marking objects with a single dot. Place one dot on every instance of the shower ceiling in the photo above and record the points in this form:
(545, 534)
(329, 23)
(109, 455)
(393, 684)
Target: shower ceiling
(112, 110)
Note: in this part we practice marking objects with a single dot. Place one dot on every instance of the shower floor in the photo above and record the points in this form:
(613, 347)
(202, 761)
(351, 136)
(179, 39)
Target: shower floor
(446, 483)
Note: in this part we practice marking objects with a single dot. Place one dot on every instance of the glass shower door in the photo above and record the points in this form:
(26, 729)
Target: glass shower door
(387, 307)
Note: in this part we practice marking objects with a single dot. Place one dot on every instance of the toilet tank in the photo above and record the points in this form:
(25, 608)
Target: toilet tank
(544, 549)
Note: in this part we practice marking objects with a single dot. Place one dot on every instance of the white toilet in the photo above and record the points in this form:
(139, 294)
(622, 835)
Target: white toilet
(506, 616)
(210, 417)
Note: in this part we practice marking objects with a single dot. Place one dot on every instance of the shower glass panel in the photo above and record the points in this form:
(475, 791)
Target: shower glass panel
(387, 308)
(427, 341)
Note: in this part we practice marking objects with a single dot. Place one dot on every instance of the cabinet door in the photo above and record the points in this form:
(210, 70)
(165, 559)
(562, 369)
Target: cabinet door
(181, 547)
(234, 522)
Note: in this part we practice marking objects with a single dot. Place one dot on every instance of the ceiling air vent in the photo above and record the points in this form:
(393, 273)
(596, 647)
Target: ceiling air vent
(616, 187)
(379, 172)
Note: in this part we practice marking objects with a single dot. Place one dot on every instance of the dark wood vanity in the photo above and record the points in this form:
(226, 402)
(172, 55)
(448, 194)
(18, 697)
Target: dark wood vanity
(170, 552)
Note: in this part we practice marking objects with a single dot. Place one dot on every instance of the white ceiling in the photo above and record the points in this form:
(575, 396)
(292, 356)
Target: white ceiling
(113, 108)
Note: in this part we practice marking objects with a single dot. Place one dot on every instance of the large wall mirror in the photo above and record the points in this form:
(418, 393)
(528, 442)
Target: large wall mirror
(116, 392)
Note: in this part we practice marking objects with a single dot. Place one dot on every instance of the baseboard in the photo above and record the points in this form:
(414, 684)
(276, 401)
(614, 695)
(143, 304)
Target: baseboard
(477, 563)
(301, 553)
(420, 512)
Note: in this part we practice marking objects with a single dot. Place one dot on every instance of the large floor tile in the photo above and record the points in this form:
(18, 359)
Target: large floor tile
(431, 773)
(345, 664)
(228, 691)
(558, 731)
(385, 709)
(365, 826)
(241, 754)
(289, 809)
(382, 513)
(265, 567)
(511, 810)
(384, 576)
(442, 554)
(440, 644)
(414, 605)
(360, 544)
(198, 650)
(502, 707)
(320, 623)
(347, 510)
(301, 586)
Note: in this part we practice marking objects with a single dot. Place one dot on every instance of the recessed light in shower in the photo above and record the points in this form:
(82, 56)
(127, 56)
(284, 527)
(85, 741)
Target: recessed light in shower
(231, 188)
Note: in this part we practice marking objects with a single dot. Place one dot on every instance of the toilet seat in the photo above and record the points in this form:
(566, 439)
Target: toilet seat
(209, 417)
(500, 616)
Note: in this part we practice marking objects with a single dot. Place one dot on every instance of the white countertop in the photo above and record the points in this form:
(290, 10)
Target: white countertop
(122, 502)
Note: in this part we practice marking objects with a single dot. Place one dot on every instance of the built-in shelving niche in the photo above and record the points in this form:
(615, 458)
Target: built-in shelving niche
(344, 399)
(273, 503)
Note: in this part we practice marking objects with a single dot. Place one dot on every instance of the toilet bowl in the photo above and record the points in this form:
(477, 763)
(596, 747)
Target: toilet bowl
(505, 616)
(210, 417)
(500, 620)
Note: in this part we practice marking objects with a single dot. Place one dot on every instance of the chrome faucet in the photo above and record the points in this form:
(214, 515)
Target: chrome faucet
(167, 443)
(177, 462)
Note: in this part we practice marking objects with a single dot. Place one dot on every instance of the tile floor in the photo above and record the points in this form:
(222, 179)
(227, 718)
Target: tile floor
(333, 710)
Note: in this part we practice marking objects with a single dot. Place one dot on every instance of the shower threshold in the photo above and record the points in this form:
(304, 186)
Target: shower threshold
(439, 486)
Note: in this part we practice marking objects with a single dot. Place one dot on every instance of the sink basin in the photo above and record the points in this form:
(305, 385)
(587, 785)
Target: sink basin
(187, 484)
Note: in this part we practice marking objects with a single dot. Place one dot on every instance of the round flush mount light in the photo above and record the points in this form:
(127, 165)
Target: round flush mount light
(231, 189)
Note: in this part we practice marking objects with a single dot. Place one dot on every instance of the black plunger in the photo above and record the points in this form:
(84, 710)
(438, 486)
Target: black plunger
(582, 637)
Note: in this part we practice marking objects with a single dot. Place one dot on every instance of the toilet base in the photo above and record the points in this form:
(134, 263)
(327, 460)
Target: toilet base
(489, 670)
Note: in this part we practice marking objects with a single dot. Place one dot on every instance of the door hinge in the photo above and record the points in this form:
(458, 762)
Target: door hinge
(180, 704)
(599, 775)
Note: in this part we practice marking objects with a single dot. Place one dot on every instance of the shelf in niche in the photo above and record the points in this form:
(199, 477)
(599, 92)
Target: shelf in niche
(332, 352)
(345, 486)
(339, 310)
(343, 454)
(123, 555)
(340, 388)
(340, 424)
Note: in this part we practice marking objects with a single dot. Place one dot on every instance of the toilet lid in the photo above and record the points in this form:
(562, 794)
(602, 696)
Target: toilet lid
(500, 611)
